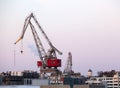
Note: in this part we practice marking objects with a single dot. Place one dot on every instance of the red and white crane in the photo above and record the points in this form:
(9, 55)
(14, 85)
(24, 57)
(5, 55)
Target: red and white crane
(48, 60)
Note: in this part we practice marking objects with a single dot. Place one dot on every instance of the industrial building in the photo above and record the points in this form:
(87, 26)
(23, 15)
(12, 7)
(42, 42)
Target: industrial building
(75, 86)
(109, 82)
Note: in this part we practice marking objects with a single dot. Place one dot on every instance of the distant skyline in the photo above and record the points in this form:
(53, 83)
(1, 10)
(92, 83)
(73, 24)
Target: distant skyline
(89, 29)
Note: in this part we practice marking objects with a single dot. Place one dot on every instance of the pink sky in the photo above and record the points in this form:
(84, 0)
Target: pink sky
(90, 29)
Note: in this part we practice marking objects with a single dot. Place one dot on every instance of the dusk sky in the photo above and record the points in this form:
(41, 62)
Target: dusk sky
(89, 29)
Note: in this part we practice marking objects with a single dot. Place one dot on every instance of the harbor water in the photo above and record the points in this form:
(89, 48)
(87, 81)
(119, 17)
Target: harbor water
(19, 86)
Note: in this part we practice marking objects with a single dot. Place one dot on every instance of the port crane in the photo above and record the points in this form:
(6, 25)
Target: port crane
(48, 60)
(68, 67)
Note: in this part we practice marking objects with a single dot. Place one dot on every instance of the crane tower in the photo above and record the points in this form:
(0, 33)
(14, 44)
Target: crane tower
(68, 67)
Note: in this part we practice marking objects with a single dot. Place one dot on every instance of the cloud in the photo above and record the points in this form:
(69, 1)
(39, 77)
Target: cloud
(33, 49)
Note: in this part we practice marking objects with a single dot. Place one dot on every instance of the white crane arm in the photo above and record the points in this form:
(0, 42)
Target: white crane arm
(44, 34)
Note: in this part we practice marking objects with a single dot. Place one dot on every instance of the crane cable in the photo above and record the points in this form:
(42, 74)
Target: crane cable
(21, 47)
(15, 52)
(14, 55)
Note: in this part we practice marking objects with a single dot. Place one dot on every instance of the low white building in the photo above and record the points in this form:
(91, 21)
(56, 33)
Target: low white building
(110, 82)
(97, 82)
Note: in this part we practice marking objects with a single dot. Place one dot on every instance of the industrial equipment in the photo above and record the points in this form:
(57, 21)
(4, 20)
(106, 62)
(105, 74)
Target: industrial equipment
(68, 72)
(48, 60)
(68, 67)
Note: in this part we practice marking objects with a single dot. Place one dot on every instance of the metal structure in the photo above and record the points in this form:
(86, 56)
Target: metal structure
(48, 60)
(68, 67)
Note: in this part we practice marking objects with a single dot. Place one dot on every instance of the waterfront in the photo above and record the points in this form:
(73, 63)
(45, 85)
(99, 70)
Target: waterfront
(19, 86)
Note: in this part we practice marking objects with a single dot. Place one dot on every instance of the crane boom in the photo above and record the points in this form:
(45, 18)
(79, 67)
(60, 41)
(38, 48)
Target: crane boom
(44, 34)
(41, 50)
(27, 20)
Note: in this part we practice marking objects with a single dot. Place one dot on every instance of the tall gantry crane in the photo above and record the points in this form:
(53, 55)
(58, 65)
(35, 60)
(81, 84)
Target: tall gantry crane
(48, 60)
(68, 67)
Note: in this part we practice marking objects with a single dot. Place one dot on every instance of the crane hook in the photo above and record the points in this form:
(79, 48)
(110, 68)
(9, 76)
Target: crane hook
(21, 47)
(21, 51)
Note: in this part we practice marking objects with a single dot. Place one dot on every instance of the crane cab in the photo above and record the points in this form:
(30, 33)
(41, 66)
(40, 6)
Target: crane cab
(52, 62)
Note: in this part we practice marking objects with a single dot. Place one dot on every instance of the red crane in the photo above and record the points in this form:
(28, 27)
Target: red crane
(48, 60)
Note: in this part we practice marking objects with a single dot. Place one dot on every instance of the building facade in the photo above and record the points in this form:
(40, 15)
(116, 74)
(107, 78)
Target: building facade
(110, 82)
